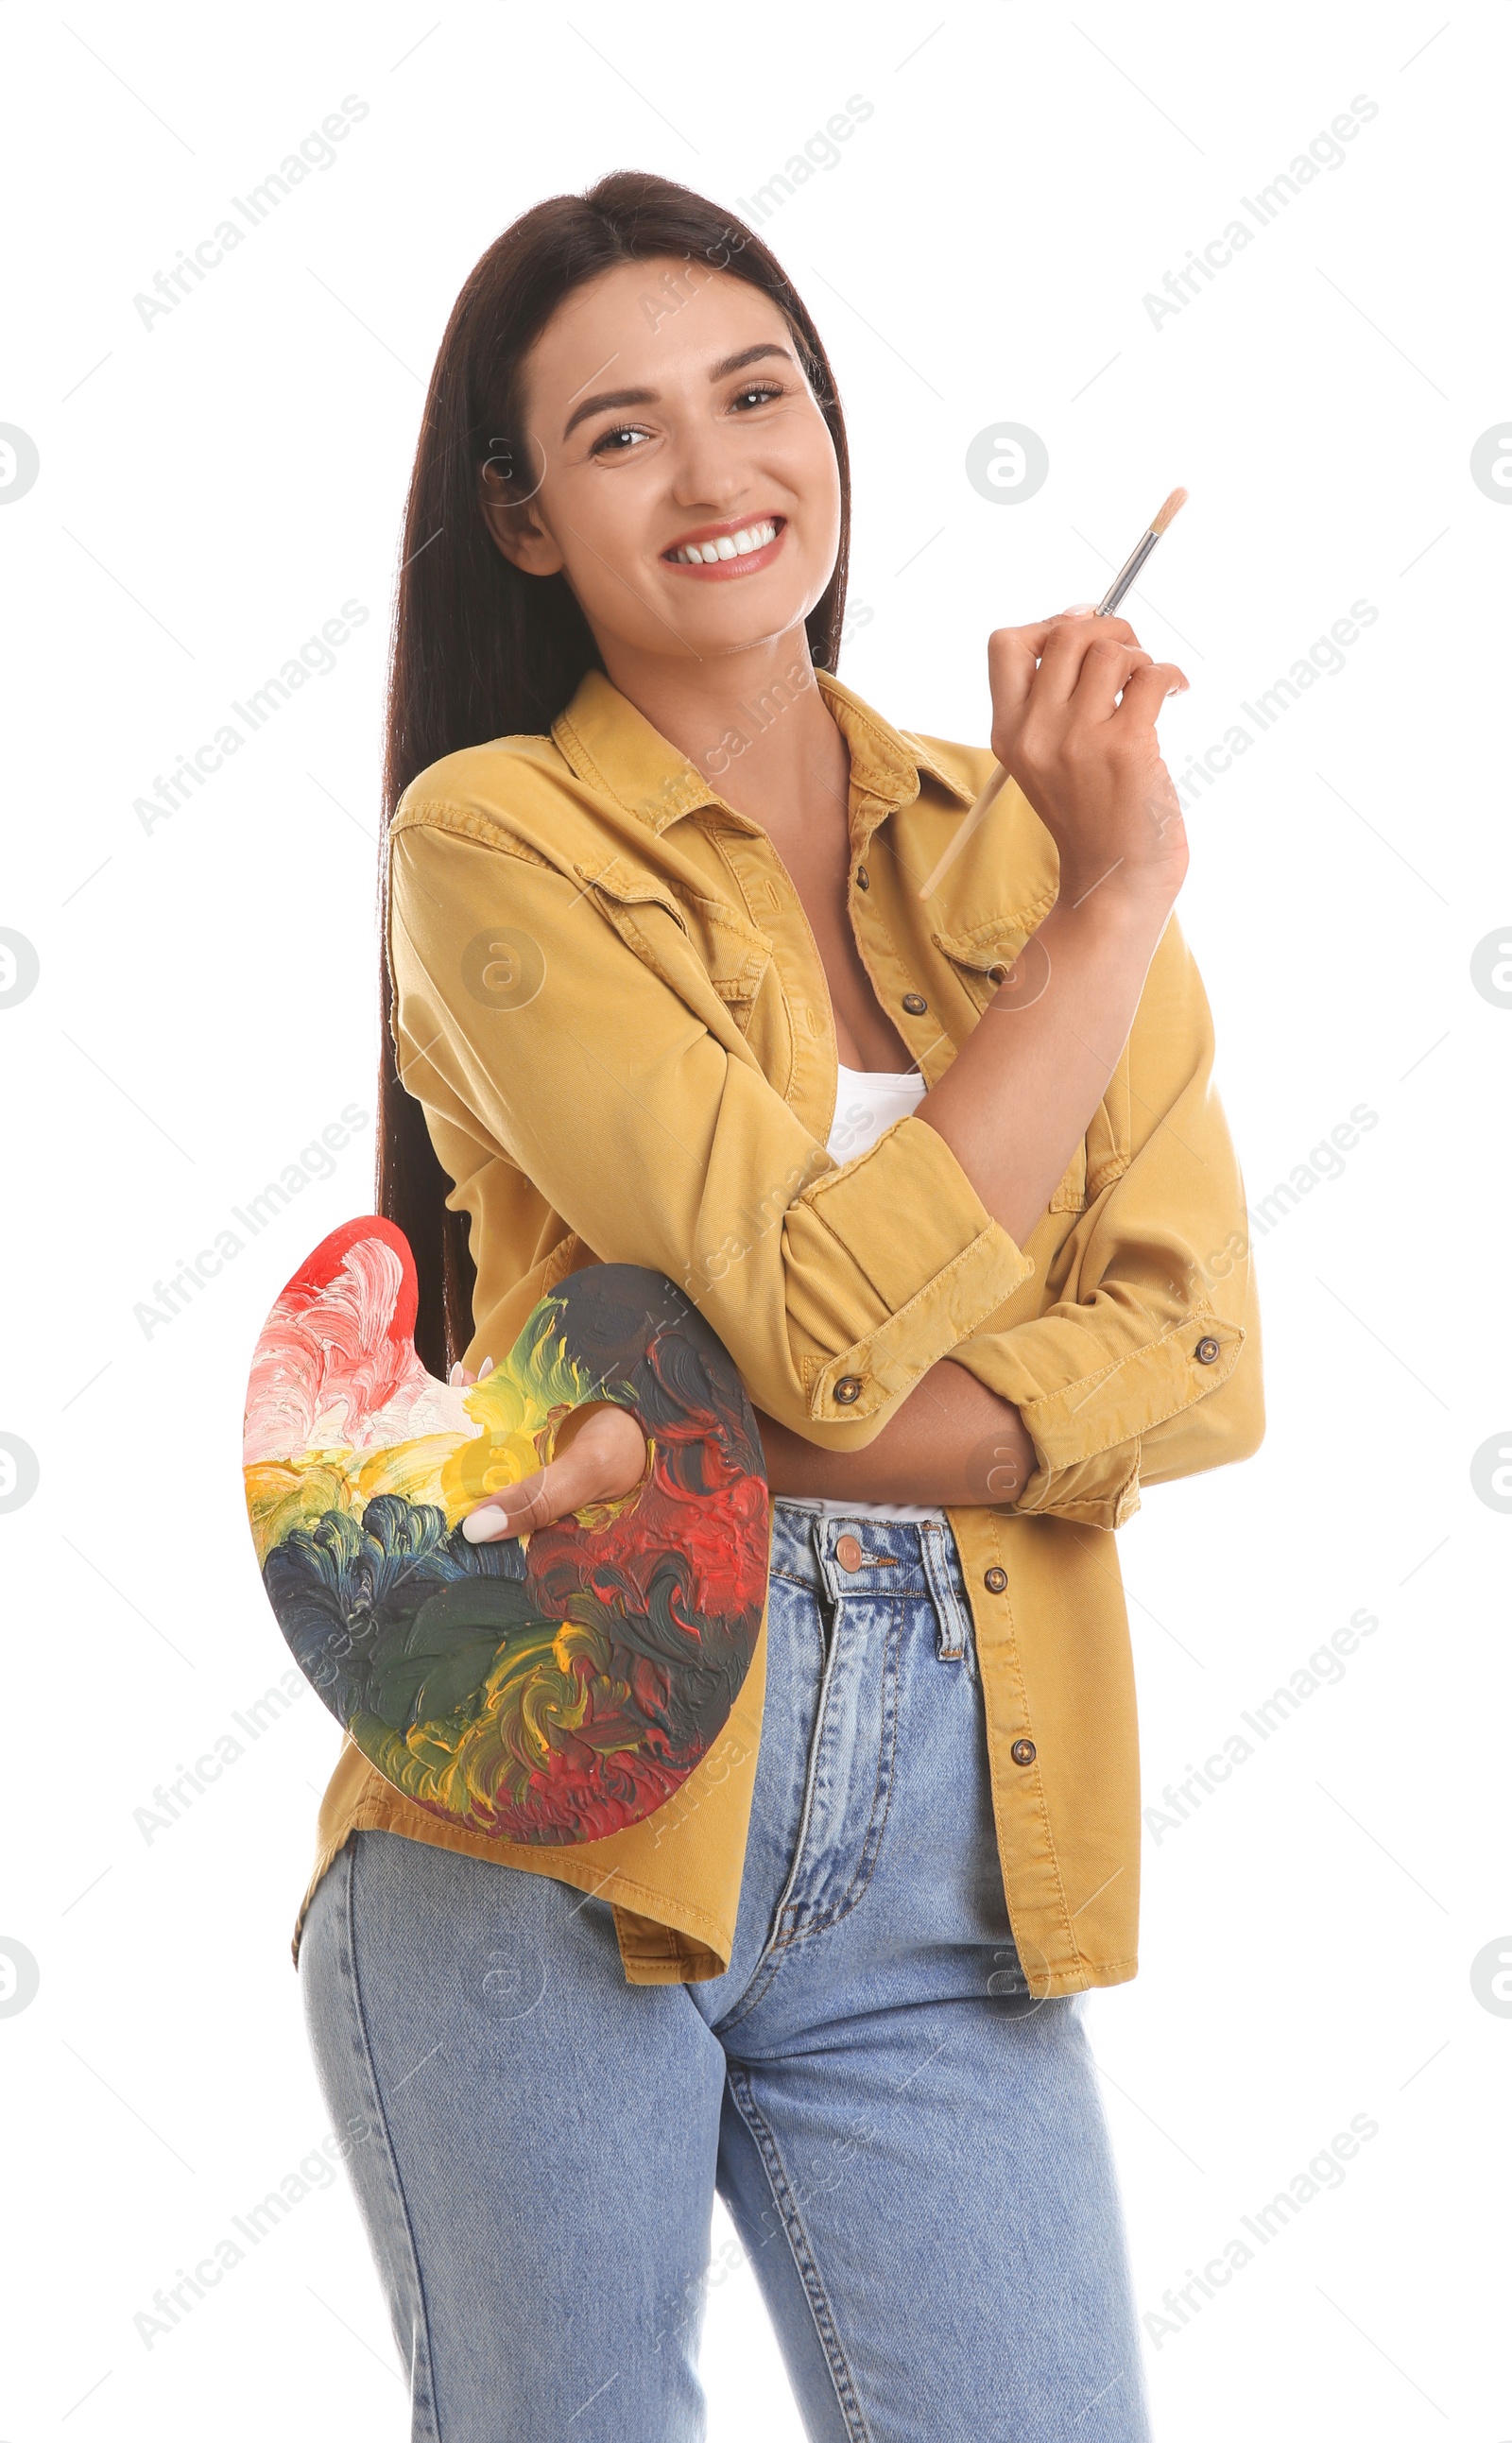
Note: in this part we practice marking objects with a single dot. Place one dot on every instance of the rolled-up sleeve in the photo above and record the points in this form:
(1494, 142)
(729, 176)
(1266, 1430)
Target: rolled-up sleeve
(1146, 1364)
(522, 1016)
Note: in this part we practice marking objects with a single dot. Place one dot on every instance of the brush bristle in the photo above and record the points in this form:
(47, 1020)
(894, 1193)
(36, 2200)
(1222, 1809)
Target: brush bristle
(1168, 509)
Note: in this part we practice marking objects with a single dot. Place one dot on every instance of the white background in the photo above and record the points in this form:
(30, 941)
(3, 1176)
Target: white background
(211, 491)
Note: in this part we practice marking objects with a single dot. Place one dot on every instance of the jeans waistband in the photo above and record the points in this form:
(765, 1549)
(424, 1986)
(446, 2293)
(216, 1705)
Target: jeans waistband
(887, 1556)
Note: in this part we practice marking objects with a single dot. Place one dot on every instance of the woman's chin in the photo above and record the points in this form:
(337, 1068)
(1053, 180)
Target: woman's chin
(759, 640)
(719, 622)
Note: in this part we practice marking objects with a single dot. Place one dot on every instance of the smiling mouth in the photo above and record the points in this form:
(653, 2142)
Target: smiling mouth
(731, 550)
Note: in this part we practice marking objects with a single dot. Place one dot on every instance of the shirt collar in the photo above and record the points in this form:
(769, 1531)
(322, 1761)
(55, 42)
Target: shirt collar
(612, 746)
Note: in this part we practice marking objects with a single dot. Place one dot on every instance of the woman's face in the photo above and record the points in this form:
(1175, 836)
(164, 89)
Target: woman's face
(667, 410)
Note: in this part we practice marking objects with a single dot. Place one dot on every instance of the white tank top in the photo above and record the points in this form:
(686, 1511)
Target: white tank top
(866, 1102)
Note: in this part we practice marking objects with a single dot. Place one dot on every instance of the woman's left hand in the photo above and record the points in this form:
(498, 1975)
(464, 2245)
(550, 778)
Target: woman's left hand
(601, 1453)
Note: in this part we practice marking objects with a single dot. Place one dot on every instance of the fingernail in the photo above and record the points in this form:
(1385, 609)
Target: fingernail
(483, 1526)
(455, 1375)
(487, 1368)
(1077, 610)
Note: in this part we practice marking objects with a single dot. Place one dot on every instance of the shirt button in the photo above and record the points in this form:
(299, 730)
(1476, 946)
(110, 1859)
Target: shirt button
(848, 1552)
(915, 1005)
(863, 880)
(1023, 1751)
(847, 1390)
(1206, 1350)
(995, 1581)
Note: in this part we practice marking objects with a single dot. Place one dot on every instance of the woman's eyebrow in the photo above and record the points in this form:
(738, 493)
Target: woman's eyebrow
(749, 356)
(610, 398)
(607, 398)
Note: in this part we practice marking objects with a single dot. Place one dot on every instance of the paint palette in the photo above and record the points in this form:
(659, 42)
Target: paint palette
(548, 1689)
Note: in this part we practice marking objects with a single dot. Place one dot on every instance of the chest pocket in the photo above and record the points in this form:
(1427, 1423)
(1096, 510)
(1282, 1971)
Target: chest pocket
(627, 897)
(981, 957)
(713, 950)
(737, 991)
(981, 960)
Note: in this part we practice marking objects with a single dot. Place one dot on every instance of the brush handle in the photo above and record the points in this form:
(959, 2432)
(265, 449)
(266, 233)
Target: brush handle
(1127, 573)
(963, 832)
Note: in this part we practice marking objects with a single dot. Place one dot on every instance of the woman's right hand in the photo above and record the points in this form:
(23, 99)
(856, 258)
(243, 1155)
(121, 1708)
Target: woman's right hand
(1073, 707)
(599, 1453)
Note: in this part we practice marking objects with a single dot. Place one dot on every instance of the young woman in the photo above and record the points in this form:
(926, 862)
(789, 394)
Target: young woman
(948, 1176)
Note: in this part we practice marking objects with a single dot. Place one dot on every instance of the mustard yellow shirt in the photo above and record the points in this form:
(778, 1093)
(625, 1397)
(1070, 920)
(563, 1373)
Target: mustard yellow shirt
(610, 1003)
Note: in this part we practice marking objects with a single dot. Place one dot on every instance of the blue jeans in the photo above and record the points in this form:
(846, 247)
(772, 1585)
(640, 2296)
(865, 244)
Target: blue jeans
(912, 2151)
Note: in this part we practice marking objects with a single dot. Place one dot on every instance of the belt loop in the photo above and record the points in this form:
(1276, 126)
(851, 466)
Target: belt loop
(829, 1590)
(824, 1559)
(954, 1628)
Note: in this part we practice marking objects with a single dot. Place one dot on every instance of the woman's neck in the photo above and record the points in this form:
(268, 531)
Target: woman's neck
(756, 725)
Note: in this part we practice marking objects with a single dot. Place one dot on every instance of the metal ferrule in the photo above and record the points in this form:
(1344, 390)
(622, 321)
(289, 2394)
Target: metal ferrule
(1127, 573)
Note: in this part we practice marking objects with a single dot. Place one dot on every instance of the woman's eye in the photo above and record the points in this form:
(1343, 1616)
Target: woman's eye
(614, 444)
(758, 394)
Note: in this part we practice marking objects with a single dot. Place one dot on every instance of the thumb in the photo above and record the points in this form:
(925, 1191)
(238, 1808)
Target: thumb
(605, 1459)
(513, 1511)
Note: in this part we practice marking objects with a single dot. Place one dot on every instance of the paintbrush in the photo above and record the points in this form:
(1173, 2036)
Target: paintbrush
(1140, 553)
(1110, 602)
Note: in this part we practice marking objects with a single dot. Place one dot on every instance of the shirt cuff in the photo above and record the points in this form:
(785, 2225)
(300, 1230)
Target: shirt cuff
(1102, 1492)
(934, 1277)
(1087, 1431)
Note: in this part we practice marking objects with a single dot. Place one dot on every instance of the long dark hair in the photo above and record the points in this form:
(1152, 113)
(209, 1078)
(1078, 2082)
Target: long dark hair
(481, 651)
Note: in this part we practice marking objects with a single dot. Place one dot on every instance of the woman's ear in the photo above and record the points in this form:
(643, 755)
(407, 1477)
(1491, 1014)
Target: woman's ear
(516, 527)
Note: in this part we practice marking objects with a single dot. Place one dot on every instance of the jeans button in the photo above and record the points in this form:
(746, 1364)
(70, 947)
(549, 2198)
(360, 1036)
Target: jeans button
(848, 1552)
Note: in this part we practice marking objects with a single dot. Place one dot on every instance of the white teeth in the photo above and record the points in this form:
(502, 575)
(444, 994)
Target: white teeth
(735, 546)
